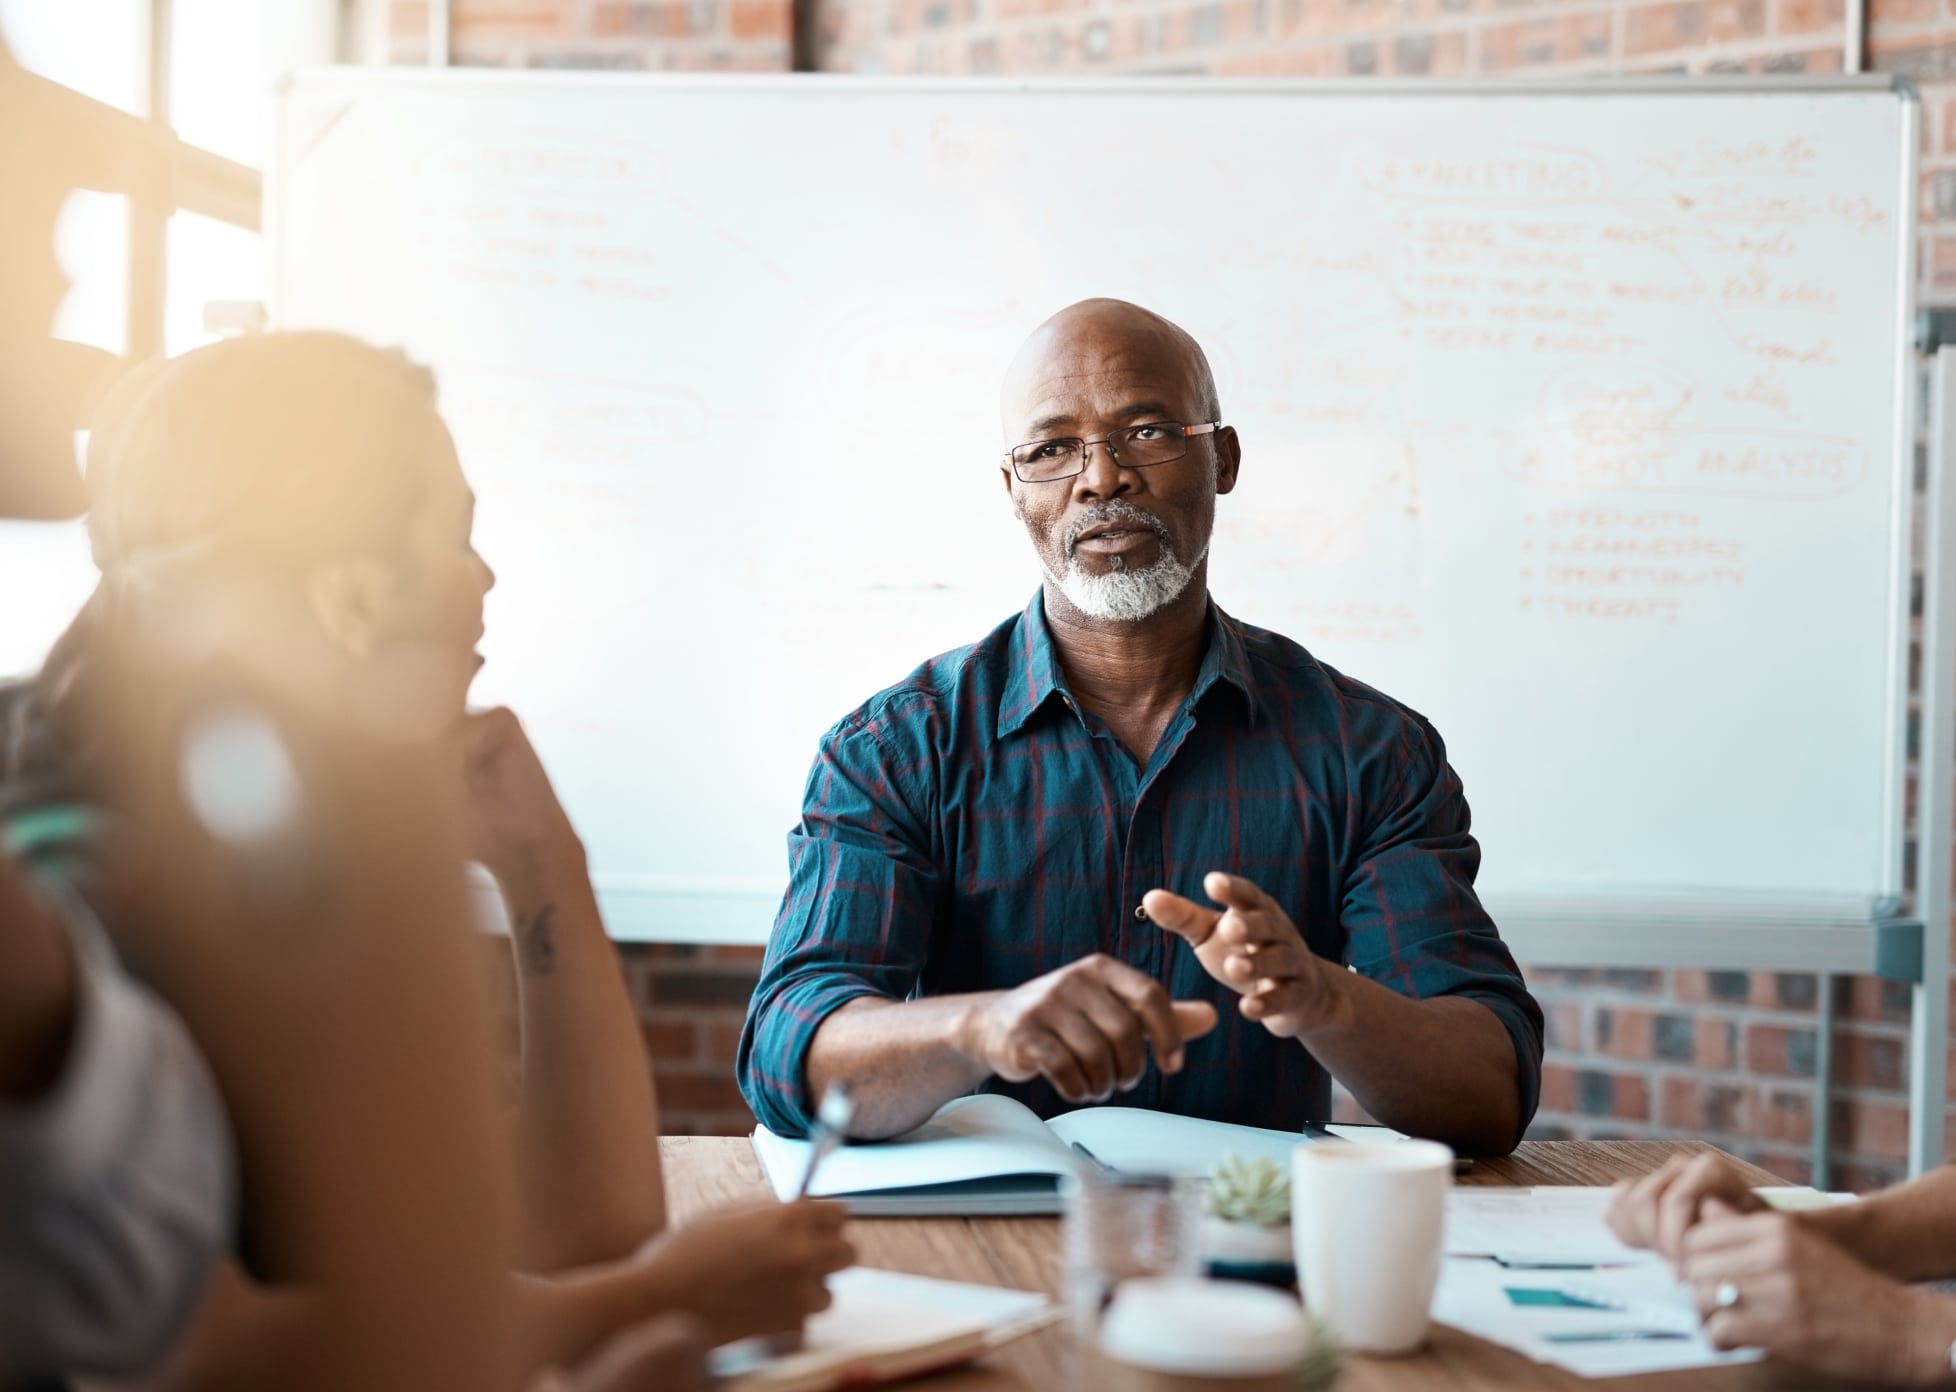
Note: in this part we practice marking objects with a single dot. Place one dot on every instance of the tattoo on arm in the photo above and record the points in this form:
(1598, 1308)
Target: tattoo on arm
(536, 942)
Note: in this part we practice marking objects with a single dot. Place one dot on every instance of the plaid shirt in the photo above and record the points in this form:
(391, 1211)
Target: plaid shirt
(972, 828)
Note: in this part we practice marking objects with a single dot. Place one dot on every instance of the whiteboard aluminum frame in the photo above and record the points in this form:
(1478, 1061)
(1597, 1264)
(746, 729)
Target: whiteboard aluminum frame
(1936, 780)
(1729, 932)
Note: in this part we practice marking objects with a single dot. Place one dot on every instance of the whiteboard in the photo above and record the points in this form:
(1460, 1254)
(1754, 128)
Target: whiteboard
(1573, 418)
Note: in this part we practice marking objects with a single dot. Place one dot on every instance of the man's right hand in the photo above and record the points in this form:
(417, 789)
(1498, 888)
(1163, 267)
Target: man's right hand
(1085, 1028)
(748, 1269)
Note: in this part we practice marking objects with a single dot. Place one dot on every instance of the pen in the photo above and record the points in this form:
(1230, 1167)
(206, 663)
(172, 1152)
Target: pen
(832, 1120)
(1613, 1336)
(1100, 1166)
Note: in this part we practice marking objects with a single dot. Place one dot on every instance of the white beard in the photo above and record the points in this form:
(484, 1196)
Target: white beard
(1122, 594)
(1127, 595)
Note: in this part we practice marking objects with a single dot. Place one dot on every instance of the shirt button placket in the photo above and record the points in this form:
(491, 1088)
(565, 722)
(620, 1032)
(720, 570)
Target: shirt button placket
(1141, 872)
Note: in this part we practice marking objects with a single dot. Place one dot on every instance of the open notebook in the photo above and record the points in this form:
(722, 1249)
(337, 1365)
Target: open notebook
(884, 1326)
(989, 1155)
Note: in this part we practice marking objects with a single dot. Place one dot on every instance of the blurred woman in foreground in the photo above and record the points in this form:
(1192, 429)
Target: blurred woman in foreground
(291, 508)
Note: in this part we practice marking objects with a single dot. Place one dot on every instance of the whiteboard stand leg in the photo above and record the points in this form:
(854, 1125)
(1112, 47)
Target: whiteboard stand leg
(438, 33)
(1823, 1084)
(1935, 777)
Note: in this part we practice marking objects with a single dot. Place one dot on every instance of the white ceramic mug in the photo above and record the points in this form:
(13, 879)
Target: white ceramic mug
(1368, 1220)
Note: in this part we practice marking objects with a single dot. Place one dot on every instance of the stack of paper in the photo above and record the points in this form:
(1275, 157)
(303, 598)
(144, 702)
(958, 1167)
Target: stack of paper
(1539, 1271)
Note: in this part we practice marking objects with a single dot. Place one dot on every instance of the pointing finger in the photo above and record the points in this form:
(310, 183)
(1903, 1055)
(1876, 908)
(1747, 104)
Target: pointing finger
(1147, 1000)
(1194, 1018)
(1235, 892)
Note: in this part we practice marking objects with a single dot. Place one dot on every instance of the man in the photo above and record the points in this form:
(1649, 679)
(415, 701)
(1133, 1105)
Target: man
(1831, 1291)
(990, 885)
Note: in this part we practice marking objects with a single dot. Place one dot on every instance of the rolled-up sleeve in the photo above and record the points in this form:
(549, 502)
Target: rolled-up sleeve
(119, 1190)
(1412, 918)
(862, 894)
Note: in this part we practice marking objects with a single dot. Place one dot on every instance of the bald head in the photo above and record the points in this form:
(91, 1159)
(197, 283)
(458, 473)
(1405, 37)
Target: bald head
(1103, 341)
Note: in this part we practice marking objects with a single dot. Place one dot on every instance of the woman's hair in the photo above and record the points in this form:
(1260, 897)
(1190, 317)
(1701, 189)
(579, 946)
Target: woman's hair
(260, 458)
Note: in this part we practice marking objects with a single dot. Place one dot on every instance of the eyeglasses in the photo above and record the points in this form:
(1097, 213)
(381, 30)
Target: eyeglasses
(1131, 447)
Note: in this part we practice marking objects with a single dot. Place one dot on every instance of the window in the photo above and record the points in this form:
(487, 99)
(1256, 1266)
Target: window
(222, 59)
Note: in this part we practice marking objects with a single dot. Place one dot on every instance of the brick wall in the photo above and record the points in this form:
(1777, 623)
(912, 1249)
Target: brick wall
(664, 35)
(1730, 1056)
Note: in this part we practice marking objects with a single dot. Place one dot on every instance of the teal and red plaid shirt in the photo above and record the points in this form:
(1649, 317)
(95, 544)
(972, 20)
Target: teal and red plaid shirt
(972, 828)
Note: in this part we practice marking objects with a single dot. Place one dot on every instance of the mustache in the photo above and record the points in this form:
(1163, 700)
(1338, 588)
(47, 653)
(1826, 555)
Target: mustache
(1115, 511)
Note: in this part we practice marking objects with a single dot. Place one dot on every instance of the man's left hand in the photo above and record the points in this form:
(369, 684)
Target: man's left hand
(1251, 946)
(1764, 1281)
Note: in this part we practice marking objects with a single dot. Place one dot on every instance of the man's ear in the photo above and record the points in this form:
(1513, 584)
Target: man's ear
(1005, 477)
(1229, 458)
(353, 601)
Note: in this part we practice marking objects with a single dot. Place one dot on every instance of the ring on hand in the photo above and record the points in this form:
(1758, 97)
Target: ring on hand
(1726, 1296)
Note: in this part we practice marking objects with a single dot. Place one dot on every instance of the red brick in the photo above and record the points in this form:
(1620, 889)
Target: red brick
(1886, 12)
(1449, 55)
(692, 1092)
(723, 1041)
(1680, 1106)
(1651, 29)
(1564, 1021)
(705, 987)
(1692, 24)
(1875, 1130)
(1419, 11)
(1536, 42)
(1558, 1088)
(408, 18)
(1809, 16)
(1939, 255)
(1716, 1043)
(1624, 1033)
(1779, 1051)
(1632, 1098)
(1296, 62)
(1870, 998)
(1794, 1167)
(512, 19)
(1866, 1177)
(1785, 1116)
(671, 1041)
(1871, 1061)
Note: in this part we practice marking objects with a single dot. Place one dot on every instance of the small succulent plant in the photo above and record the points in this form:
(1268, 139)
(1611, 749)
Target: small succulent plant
(1250, 1191)
(1323, 1360)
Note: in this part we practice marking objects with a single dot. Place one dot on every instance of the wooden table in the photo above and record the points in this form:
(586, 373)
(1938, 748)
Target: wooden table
(702, 1171)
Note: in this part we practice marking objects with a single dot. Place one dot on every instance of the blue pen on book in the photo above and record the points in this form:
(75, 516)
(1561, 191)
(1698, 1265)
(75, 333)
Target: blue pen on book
(832, 1120)
(1615, 1336)
(1099, 1166)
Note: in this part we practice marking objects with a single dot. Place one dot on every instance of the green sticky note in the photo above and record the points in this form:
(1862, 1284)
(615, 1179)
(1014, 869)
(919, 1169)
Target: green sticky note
(1551, 1299)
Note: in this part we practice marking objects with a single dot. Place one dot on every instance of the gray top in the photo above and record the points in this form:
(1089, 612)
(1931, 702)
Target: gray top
(119, 1184)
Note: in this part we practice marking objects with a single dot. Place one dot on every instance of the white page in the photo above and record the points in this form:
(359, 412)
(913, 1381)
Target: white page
(1550, 1222)
(976, 1137)
(1473, 1296)
(1131, 1138)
